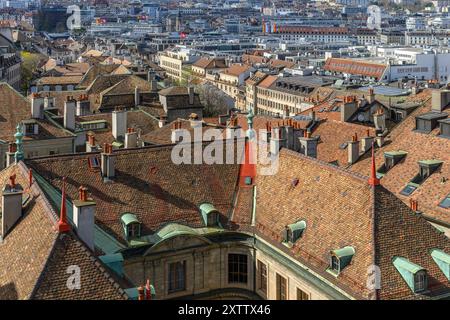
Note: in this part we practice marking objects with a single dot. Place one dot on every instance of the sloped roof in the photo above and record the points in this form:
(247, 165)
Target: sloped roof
(419, 146)
(341, 209)
(356, 67)
(34, 258)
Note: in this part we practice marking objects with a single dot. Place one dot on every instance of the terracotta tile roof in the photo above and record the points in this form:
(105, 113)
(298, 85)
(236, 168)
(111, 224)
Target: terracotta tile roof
(253, 59)
(103, 82)
(94, 72)
(333, 135)
(128, 85)
(163, 135)
(374, 222)
(34, 258)
(95, 283)
(268, 81)
(148, 184)
(275, 63)
(356, 67)
(419, 146)
(236, 69)
(139, 120)
(63, 80)
(203, 63)
(15, 108)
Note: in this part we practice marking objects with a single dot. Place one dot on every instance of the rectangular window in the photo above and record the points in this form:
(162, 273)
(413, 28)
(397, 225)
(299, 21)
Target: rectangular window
(302, 295)
(262, 276)
(237, 268)
(420, 279)
(177, 276)
(281, 288)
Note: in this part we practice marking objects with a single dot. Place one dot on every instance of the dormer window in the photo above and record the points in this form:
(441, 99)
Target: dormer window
(30, 127)
(427, 122)
(293, 232)
(210, 215)
(414, 275)
(444, 128)
(390, 160)
(426, 169)
(131, 226)
(340, 258)
(442, 260)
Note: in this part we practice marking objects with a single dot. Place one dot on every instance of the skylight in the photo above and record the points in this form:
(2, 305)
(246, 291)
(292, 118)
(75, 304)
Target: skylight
(446, 202)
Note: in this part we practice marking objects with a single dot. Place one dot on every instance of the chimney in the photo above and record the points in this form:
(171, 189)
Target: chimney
(191, 94)
(414, 205)
(366, 142)
(11, 205)
(193, 119)
(49, 102)
(162, 121)
(308, 145)
(348, 108)
(440, 100)
(84, 218)
(371, 96)
(10, 154)
(69, 113)
(137, 97)
(379, 120)
(276, 142)
(177, 132)
(83, 106)
(90, 143)
(380, 140)
(119, 124)
(131, 138)
(353, 149)
(289, 135)
(37, 106)
(108, 161)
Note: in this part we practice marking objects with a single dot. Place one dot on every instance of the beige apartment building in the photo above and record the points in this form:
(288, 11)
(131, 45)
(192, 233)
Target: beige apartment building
(177, 63)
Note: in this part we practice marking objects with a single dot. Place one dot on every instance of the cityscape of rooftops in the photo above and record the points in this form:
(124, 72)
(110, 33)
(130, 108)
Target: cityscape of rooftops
(236, 150)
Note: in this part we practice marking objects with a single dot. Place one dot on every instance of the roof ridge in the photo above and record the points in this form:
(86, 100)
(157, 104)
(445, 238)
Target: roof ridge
(325, 164)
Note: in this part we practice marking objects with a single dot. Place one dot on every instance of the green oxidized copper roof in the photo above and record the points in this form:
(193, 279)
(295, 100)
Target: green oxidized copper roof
(405, 264)
(299, 225)
(441, 255)
(102, 240)
(344, 252)
(430, 162)
(396, 153)
(207, 208)
(128, 218)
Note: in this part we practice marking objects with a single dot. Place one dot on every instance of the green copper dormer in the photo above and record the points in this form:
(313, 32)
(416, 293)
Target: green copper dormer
(131, 226)
(414, 275)
(209, 214)
(340, 258)
(293, 232)
(19, 137)
(442, 259)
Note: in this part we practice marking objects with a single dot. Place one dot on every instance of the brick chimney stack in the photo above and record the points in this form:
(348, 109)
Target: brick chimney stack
(10, 154)
(108, 162)
(11, 205)
(366, 142)
(131, 138)
(353, 149)
(90, 143)
(84, 218)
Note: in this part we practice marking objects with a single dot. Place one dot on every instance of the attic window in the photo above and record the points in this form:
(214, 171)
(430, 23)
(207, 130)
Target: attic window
(442, 259)
(414, 275)
(209, 214)
(446, 202)
(428, 121)
(293, 232)
(131, 226)
(426, 169)
(340, 258)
